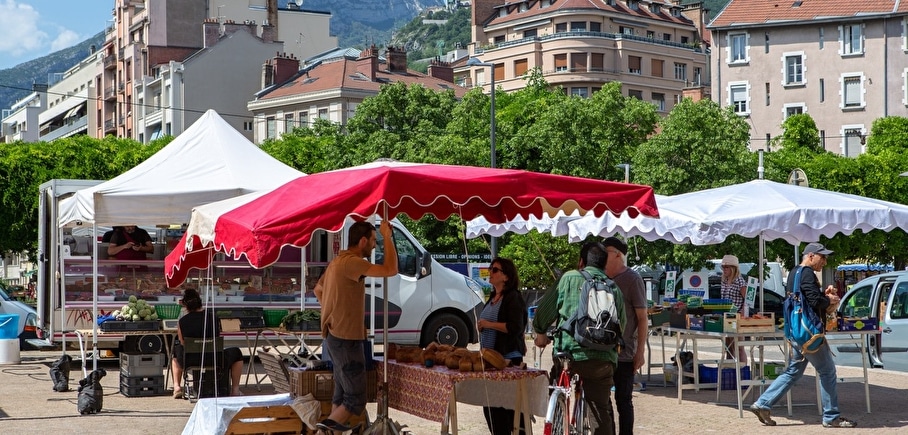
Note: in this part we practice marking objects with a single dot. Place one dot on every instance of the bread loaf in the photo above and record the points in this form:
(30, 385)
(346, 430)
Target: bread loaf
(494, 358)
(452, 362)
(466, 365)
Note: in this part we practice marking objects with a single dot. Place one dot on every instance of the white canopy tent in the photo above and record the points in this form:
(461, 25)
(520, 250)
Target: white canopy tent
(759, 208)
(210, 161)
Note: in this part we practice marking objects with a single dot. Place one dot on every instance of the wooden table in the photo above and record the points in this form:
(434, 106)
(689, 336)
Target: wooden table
(433, 393)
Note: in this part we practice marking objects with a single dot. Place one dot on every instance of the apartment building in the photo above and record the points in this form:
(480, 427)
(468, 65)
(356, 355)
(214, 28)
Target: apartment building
(657, 50)
(71, 105)
(20, 122)
(147, 36)
(331, 85)
(844, 63)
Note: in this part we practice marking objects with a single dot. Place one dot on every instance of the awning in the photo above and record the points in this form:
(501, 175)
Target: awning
(863, 267)
(72, 112)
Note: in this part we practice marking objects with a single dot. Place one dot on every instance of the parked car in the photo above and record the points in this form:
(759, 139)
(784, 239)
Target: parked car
(28, 317)
(885, 297)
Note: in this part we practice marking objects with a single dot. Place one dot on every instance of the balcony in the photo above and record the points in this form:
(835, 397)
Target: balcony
(121, 86)
(109, 93)
(696, 48)
(66, 130)
(110, 61)
(109, 126)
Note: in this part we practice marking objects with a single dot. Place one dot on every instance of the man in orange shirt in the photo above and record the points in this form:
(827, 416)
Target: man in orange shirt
(342, 291)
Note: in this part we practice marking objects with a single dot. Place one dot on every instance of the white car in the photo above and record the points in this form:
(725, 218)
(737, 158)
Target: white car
(885, 297)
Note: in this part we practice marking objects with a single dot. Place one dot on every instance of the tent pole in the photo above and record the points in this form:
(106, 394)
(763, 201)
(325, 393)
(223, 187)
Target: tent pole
(761, 268)
(94, 299)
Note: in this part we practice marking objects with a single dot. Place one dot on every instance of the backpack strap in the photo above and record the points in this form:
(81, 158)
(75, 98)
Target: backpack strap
(586, 275)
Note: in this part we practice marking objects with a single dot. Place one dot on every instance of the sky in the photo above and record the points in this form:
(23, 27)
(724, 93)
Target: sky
(33, 28)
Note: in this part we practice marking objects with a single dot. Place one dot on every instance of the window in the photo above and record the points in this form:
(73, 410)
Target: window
(793, 109)
(529, 33)
(580, 92)
(597, 62)
(322, 113)
(407, 254)
(851, 42)
(247, 125)
(561, 62)
(822, 34)
(681, 71)
(633, 4)
(304, 119)
(624, 30)
(666, 36)
(767, 94)
(738, 48)
(822, 90)
(794, 69)
(685, 39)
(595, 27)
(560, 27)
(659, 101)
(698, 75)
(520, 67)
(738, 98)
(852, 92)
(578, 26)
(657, 66)
(270, 126)
(650, 34)
(499, 39)
(899, 308)
(480, 77)
(633, 64)
(578, 62)
(851, 141)
(635, 94)
(498, 70)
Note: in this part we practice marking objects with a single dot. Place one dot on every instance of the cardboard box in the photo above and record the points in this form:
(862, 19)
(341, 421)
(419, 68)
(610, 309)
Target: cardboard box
(695, 322)
(678, 320)
(858, 324)
(742, 325)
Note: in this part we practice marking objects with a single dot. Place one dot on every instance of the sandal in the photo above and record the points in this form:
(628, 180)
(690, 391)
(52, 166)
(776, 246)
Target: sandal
(331, 425)
(177, 394)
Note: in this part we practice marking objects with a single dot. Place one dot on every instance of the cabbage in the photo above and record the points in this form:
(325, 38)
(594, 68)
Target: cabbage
(136, 318)
(133, 299)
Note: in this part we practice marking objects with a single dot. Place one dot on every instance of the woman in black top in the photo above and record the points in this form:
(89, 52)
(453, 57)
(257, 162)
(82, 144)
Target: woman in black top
(192, 324)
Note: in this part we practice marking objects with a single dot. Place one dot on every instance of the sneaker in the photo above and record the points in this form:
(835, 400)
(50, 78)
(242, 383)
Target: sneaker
(763, 415)
(840, 422)
(331, 425)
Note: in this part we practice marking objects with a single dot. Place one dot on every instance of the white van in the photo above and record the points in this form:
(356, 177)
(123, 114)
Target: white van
(28, 317)
(885, 297)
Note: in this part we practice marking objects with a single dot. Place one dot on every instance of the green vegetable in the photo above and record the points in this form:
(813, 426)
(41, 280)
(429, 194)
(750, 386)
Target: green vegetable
(133, 299)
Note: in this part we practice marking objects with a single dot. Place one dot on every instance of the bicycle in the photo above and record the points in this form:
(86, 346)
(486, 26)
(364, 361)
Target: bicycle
(560, 417)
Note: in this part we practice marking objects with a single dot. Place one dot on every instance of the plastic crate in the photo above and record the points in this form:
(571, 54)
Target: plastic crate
(320, 384)
(273, 317)
(141, 391)
(139, 364)
(710, 375)
(142, 381)
(168, 311)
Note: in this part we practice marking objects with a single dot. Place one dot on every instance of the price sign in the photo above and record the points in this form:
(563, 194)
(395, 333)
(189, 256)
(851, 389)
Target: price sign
(751, 296)
(670, 284)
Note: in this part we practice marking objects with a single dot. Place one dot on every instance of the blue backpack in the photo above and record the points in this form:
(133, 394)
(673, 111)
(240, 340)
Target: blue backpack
(803, 326)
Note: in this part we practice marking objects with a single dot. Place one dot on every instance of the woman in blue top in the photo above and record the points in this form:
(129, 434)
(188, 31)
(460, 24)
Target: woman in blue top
(502, 325)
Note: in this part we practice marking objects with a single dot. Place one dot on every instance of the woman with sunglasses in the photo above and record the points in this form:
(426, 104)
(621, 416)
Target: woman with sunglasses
(735, 289)
(502, 325)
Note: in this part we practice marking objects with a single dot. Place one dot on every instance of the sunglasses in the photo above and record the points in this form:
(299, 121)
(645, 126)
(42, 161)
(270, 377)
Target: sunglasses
(494, 270)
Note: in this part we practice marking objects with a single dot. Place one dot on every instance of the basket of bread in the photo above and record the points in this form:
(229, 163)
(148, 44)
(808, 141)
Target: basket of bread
(455, 358)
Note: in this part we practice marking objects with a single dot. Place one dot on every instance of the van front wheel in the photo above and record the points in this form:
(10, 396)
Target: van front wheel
(445, 329)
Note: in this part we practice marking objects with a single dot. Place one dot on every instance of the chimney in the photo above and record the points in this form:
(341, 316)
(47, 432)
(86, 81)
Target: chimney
(285, 66)
(272, 13)
(269, 33)
(482, 10)
(230, 27)
(92, 49)
(267, 74)
(441, 70)
(397, 59)
(367, 64)
(211, 31)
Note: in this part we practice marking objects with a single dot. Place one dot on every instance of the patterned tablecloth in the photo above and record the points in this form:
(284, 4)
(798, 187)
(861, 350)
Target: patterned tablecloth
(426, 392)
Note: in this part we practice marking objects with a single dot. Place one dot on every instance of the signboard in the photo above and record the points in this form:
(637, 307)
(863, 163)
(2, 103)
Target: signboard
(670, 283)
(696, 281)
(751, 296)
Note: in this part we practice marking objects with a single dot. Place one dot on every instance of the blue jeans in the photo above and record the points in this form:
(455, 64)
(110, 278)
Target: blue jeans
(825, 366)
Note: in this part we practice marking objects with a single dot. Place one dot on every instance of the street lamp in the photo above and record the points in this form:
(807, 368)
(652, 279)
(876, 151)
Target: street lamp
(476, 62)
(627, 171)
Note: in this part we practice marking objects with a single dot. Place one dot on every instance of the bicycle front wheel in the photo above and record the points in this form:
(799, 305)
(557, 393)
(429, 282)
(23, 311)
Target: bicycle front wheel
(582, 419)
(556, 416)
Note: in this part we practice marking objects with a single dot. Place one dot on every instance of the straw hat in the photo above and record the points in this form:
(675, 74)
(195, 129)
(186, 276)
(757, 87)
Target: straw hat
(730, 260)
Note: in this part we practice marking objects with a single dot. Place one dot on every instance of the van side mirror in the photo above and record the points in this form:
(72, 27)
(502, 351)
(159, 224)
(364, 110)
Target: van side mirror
(426, 264)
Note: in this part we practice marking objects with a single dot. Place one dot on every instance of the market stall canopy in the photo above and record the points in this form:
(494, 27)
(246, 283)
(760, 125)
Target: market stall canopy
(259, 225)
(208, 162)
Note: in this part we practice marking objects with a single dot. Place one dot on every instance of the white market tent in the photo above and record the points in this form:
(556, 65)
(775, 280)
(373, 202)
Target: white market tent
(210, 161)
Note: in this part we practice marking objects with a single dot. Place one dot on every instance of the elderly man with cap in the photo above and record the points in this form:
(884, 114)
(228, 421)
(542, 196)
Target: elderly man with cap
(636, 330)
(814, 257)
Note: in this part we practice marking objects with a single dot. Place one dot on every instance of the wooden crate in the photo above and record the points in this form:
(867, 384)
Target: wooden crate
(321, 383)
(741, 325)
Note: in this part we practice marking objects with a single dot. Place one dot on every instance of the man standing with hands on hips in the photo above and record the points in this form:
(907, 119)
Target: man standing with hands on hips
(636, 330)
(814, 257)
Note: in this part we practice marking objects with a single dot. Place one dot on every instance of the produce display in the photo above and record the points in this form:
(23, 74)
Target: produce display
(455, 358)
(136, 310)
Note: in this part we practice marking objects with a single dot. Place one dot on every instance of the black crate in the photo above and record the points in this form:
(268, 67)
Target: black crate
(125, 325)
(141, 391)
(142, 381)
